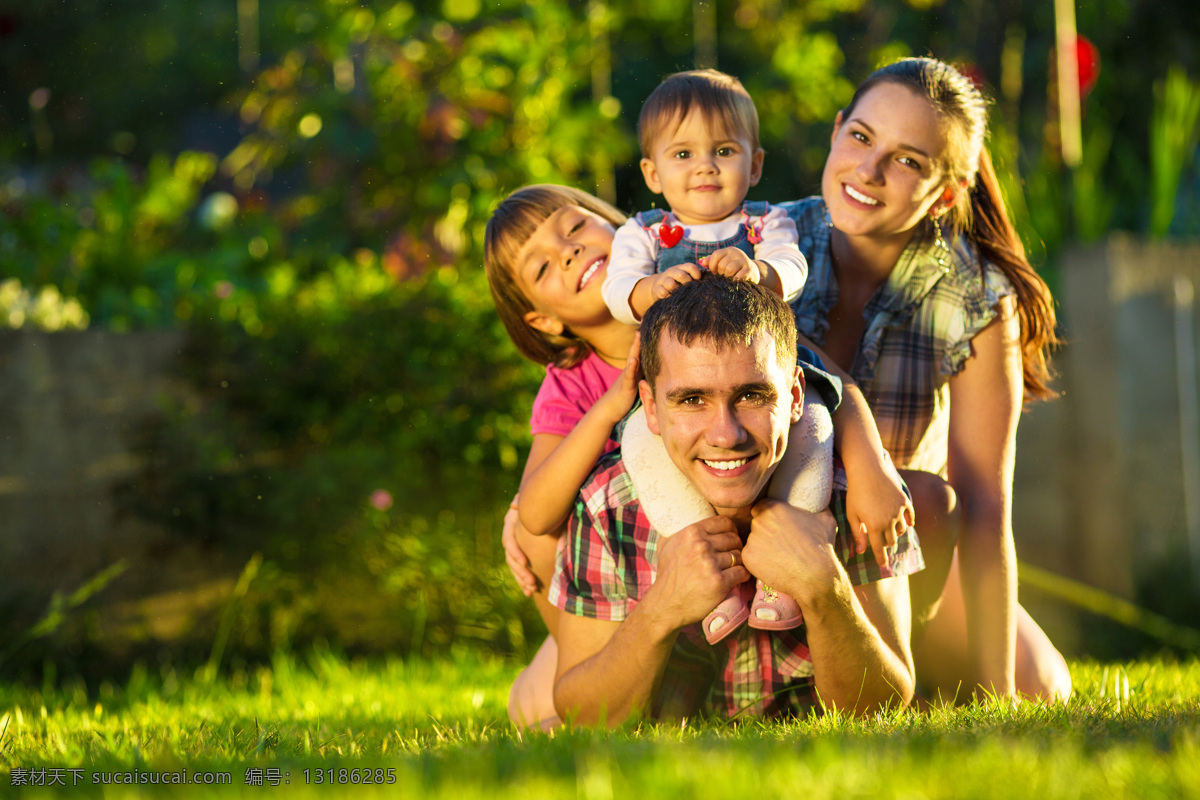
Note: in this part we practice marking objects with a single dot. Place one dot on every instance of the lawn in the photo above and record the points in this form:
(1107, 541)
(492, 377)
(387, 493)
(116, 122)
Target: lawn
(439, 730)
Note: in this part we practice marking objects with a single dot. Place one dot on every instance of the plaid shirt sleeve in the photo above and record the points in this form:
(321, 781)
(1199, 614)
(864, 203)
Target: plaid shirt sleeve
(605, 564)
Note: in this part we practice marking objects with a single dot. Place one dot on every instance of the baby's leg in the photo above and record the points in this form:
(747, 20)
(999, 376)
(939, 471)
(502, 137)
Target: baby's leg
(531, 700)
(671, 503)
(804, 479)
(669, 500)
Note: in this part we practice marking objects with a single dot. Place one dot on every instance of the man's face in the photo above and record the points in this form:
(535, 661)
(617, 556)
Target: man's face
(724, 415)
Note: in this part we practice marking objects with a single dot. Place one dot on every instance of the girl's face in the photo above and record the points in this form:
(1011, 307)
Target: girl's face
(884, 172)
(561, 269)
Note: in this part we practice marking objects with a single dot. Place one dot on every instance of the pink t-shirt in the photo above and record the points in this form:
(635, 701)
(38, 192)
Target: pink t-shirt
(567, 394)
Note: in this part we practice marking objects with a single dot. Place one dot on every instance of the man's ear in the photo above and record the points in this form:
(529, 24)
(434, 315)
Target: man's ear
(544, 323)
(650, 173)
(756, 165)
(798, 395)
(647, 395)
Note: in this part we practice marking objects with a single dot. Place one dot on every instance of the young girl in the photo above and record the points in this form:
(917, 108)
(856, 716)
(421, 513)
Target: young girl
(546, 251)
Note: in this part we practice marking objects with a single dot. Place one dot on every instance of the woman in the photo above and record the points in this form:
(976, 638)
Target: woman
(919, 289)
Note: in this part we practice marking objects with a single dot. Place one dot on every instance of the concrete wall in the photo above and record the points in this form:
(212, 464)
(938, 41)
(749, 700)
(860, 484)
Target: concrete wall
(71, 403)
(1099, 492)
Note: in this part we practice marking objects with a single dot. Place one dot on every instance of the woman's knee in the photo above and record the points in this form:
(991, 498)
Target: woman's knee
(936, 506)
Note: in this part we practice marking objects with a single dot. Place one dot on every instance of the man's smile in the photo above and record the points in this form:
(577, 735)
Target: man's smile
(727, 465)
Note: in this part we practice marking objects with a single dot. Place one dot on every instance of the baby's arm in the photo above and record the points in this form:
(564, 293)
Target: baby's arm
(778, 263)
(631, 285)
(876, 505)
(558, 465)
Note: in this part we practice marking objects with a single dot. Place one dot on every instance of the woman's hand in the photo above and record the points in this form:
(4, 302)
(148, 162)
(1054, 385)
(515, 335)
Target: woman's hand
(877, 508)
(518, 562)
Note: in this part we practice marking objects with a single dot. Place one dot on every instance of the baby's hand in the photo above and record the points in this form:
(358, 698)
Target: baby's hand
(878, 509)
(616, 402)
(670, 279)
(518, 562)
(733, 264)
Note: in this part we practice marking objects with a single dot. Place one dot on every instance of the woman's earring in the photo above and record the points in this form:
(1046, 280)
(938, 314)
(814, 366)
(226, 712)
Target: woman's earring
(940, 244)
(825, 213)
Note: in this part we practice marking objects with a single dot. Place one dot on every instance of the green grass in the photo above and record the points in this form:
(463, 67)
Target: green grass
(441, 728)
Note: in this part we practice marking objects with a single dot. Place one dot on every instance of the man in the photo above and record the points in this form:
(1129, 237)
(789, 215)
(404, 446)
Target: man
(721, 388)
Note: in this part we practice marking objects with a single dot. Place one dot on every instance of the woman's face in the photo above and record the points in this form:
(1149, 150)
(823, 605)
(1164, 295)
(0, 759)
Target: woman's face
(884, 172)
(561, 269)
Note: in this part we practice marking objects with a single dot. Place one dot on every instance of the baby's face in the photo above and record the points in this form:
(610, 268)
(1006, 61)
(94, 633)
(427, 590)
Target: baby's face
(702, 169)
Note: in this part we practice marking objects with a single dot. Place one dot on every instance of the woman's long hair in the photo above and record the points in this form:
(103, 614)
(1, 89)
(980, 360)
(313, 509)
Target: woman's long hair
(984, 218)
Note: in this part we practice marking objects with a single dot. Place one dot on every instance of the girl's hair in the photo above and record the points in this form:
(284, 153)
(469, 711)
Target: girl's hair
(984, 218)
(511, 225)
(719, 98)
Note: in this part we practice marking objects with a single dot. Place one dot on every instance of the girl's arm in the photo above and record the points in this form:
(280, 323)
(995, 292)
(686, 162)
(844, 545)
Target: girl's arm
(876, 506)
(985, 402)
(558, 465)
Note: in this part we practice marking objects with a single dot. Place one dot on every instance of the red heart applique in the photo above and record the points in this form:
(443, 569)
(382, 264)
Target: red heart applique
(670, 234)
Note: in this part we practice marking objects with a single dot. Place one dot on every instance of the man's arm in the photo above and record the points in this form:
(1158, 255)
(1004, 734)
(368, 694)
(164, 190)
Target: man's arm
(860, 648)
(609, 671)
(858, 637)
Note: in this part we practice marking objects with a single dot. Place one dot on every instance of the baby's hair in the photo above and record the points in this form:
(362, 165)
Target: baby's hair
(511, 225)
(719, 97)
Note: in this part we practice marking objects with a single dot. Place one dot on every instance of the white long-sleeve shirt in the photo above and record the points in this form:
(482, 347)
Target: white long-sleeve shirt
(635, 251)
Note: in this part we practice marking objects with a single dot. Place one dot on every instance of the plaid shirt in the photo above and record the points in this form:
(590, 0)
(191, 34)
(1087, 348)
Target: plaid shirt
(609, 561)
(918, 332)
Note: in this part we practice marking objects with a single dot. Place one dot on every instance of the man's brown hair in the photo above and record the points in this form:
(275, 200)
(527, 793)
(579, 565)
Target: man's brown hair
(719, 311)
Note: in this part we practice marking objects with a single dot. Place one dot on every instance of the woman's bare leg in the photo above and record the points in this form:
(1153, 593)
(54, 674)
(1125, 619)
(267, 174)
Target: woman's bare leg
(938, 521)
(941, 655)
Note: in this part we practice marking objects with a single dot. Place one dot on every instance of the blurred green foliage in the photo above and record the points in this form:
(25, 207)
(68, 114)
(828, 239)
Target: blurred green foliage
(303, 186)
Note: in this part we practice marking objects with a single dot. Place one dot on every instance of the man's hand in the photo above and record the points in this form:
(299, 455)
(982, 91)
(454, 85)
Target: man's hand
(734, 264)
(791, 550)
(608, 670)
(696, 569)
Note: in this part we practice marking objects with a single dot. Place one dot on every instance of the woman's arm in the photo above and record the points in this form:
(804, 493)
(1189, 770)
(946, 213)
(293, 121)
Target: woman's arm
(985, 402)
(557, 465)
